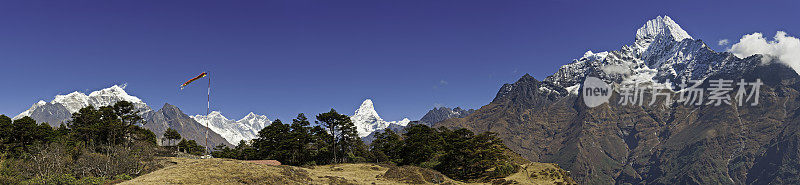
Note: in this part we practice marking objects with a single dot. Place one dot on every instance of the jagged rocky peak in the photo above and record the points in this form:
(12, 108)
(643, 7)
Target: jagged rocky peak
(659, 27)
(662, 51)
(507, 88)
(526, 87)
(170, 109)
(438, 114)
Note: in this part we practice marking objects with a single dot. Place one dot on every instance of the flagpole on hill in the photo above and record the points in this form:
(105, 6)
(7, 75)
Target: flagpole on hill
(208, 111)
(208, 103)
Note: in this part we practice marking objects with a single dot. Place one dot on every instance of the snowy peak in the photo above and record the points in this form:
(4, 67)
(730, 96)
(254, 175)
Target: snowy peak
(659, 27)
(30, 110)
(74, 101)
(662, 51)
(252, 116)
(256, 121)
(367, 120)
(367, 109)
(111, 95)
(216, 114)
(234, 131)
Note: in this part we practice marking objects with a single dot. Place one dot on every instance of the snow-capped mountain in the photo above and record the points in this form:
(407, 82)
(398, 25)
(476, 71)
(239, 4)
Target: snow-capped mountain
(232, 130)
(662, 51)
(542, 119)
(60, 109)
(367, 119)
(74, 101)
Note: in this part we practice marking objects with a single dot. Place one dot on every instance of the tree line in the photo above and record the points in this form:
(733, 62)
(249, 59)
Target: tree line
(186, 146)
(104, 144)
(459, 154)
(333, 140)
(97, 145)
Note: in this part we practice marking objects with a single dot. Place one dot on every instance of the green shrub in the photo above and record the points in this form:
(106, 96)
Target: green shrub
(8, 173)
(429, 164)
(7, 179)
(504, 170)
(123, 177)
(58, 179)
(93, 180)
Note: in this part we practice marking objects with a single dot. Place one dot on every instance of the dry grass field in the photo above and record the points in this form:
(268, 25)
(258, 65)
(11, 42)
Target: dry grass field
(229, 171)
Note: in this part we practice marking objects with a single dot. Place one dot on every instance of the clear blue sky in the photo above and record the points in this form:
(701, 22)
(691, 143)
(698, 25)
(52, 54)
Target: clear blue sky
(281, 58)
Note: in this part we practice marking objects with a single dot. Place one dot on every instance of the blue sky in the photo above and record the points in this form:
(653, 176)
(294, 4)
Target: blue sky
(281, 58)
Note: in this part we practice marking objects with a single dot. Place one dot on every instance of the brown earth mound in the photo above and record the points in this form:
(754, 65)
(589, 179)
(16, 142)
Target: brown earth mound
(414, 175)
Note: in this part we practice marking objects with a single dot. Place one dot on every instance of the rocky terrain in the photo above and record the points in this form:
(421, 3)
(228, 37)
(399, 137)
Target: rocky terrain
(438, 114)
(666, 143)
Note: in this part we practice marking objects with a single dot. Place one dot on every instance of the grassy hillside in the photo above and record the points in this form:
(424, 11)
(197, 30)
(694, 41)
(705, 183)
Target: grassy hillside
(229, 171)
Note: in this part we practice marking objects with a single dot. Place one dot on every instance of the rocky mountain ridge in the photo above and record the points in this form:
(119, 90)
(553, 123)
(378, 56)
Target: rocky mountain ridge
(668, 143)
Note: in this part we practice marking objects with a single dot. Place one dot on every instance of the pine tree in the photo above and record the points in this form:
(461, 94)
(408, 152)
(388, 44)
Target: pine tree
(273, 141)
(344, 137)
(422, 144)
(387, 145)
(300, 140)
(171, 135)
(320, 146)
(23, 135)
(332, 121)
(191, 147)
(5, 132)
(128, 117)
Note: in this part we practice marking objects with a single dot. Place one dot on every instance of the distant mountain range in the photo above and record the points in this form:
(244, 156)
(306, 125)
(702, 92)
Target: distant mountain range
(60, 109)
(667, 143)
(439, 114)
(222, 130)
(371, 121)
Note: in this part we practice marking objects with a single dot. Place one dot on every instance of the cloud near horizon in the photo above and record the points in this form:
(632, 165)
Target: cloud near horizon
(784, 48)
(723, 42)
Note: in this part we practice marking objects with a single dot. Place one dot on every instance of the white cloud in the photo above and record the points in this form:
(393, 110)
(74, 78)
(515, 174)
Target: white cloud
(442, 82)
(783, 47)
(723, 42)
